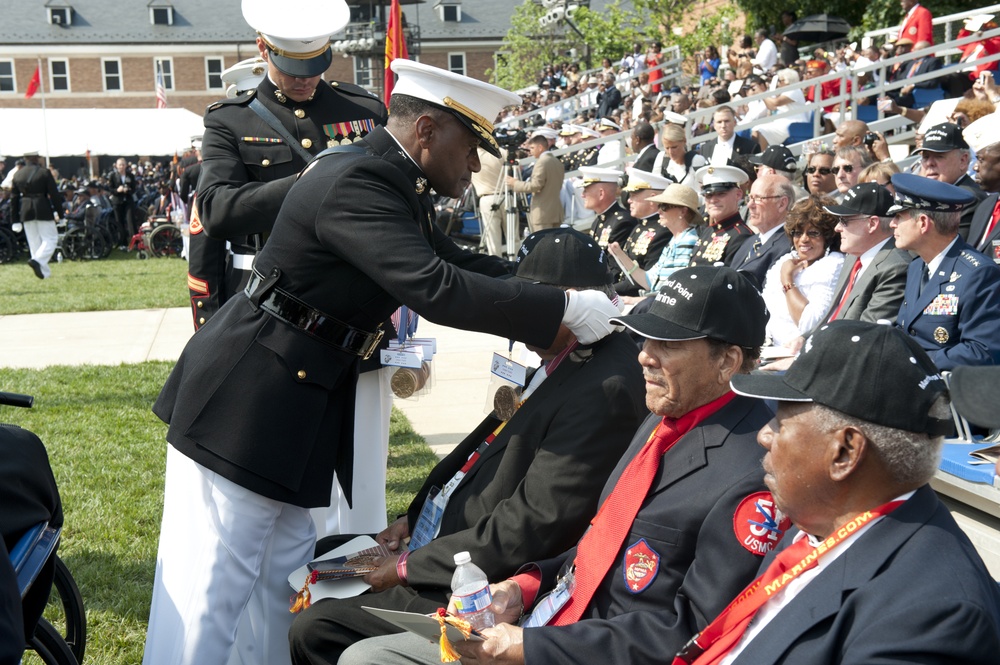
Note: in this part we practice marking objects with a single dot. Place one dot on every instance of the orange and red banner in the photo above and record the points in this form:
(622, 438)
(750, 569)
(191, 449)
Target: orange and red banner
(395, 45)
(35, 84)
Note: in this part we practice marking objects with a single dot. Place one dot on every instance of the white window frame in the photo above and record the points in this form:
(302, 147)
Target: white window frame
(168, 77)
(104, 75)
(464, 68)
(12, 76)
(152, 14)
(443, 8)
(360, 67)
(208, 72)
(52, 76)
(66, 12)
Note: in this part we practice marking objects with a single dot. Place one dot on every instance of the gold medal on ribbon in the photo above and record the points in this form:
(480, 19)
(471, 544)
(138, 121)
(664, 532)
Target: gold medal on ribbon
(505, 401)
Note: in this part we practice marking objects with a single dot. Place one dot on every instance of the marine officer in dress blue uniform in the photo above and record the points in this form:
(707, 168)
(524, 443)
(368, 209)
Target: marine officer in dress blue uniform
(952, 300)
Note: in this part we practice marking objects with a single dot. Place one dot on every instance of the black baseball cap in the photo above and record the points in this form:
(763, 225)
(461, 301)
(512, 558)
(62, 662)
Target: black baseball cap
(561, 257)
(865, 198)
(869, 371)
(943, 138)
(973, 390)
(777, 157)
(706, 301)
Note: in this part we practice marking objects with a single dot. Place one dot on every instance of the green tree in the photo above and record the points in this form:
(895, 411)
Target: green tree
(528, 47)
(611, 33)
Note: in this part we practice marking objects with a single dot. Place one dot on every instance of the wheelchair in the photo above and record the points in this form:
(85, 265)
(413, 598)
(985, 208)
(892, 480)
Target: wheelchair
(157, 236)
(60, 635)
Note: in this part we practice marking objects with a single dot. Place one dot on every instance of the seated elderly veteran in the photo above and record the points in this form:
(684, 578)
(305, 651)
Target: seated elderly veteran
(952, 296)
(877, 570)
(513, 490)
(599, 189)
(685, 519)
(648, 237)
(725, 233)
(353, 241)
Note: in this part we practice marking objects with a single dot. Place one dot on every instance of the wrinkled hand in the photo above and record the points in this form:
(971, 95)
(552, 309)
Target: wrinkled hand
(393, 535)
(587, 315)
(504, 645)
(384, 577)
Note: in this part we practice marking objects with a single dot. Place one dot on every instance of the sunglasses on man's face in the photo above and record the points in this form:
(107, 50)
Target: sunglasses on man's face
(848, 168)
(822, 170)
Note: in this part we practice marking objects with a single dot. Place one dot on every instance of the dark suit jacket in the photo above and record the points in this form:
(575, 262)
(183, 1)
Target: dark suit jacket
(966, 334)
(741, 146)
(268, 406)
(965, 225)
(33, 194)
(980, 220)
(911, 589)
(878, 292)
(757, 264)
(689, 520)
(608, 101)
(116, 180)
(530, 495)
(646, 157)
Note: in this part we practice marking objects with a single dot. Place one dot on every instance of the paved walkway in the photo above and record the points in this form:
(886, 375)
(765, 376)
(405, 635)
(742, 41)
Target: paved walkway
(452, 408)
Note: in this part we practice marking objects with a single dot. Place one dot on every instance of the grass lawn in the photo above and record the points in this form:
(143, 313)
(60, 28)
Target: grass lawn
(107, 451)
(118, 282)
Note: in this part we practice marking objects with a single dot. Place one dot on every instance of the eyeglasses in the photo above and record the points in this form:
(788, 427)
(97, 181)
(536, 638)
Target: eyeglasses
(822, 170)
(756, 200)
(812, 235)
(846, 167)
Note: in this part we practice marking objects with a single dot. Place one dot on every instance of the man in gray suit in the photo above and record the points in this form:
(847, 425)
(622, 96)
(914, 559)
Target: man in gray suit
(544, 185)
(870, 287)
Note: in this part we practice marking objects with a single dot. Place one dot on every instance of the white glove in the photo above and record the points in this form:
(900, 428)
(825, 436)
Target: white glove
(587, 314)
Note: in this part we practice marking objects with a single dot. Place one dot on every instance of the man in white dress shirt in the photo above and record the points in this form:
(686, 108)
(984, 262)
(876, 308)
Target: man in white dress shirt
(767, 52)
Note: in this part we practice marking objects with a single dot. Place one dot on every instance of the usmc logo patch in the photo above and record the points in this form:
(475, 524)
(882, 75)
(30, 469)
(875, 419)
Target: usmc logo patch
(641, 565)
(758, 524)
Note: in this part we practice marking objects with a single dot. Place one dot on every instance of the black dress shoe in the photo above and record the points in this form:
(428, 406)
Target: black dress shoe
(37, 267)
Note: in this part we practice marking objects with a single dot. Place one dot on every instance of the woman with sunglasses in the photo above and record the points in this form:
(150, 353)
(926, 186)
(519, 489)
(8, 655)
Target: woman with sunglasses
(678, 209)
(819, 179)
(799, 287)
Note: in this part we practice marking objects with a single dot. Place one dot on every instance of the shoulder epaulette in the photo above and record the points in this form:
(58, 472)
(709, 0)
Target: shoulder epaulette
(238, 100)
(351, 89)
(970, 258)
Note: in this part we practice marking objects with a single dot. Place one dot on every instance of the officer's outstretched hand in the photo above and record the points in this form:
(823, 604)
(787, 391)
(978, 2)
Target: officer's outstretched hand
(587, 314)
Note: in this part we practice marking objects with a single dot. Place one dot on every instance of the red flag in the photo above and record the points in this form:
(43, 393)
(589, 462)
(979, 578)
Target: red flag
(395, 45)
(35, 84)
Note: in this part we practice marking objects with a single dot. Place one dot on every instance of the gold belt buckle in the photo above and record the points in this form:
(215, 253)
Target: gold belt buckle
(374, 343)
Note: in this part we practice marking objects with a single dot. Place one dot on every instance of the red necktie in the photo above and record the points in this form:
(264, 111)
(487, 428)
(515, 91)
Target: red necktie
(734, 632)
(847, 289)
(599, 547)
(993, 222)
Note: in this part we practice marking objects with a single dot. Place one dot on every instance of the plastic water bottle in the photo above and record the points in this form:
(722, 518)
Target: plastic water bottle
(470, 589)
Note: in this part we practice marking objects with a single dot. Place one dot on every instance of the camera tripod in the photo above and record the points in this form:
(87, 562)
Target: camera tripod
(510, 202)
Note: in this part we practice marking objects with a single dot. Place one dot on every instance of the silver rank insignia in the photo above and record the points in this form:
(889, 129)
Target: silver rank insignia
(940, 335)
(954, 277)
(420, 185)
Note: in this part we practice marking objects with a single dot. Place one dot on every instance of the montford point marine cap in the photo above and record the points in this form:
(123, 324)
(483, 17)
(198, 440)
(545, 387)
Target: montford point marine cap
(874, 372)
(591, 174)
(777, 157)
(972, 393)
(475, 103)
(914, 192)
(714, 178)
(678, 195)
(983, 133)
(244, 75)
(865, 198)
(943, 138)
(561, 257)
(639, 180)
(700, 302)
(297, 32)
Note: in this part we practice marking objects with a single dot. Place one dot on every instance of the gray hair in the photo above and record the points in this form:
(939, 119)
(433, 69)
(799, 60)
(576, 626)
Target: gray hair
(945, 223)
(910, 458)
(848, 152)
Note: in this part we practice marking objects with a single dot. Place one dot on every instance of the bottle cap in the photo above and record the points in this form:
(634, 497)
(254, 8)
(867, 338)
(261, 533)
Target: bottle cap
(462, 557)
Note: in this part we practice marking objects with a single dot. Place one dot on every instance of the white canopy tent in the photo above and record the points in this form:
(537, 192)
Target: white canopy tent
(70, 132)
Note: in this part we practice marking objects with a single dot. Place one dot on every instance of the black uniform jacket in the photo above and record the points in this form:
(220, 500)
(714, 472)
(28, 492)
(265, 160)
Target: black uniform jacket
(267, 405)
(33, 194)
(694, 520)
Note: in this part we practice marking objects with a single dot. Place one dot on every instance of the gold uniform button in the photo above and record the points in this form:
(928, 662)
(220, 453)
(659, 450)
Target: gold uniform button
(307, 143)
(265, 162)
(301, 374)
(299, 113)
(201, 321)
(200, 304)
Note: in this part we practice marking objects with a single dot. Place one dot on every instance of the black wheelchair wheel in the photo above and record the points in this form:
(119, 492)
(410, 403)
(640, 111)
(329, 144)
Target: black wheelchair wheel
(69, 613)
(48, 646)
(83, 244)
(166, 240)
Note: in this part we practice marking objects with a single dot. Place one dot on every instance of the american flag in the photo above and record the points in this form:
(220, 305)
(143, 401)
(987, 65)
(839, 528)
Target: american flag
(161, 91)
